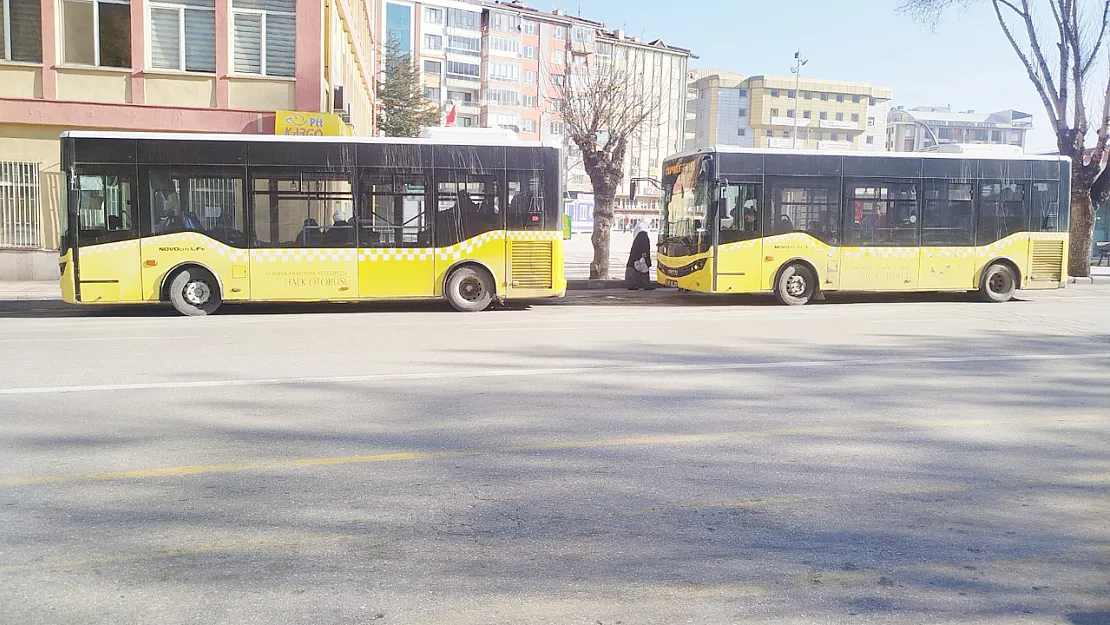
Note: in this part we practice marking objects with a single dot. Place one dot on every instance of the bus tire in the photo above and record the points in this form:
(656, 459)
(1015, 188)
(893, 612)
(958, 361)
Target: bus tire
(195, 292)
(796, 285)
(469, 289)
(998, 283)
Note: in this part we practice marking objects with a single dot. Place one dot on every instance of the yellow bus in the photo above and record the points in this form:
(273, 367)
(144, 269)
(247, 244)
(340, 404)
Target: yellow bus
(201, 220)
(800, 224)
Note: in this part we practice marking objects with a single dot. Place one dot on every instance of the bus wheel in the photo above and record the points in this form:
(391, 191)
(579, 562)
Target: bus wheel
(195, 292)
(469, 289)
(998, 284)
(796, 285)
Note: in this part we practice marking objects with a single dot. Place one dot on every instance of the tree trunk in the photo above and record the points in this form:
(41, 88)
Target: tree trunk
(603, 227)
(1082, 229)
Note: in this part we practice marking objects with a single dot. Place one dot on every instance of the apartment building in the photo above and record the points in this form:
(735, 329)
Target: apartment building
(910, 130)
(780, 112)
(240, 66)
(505, 65)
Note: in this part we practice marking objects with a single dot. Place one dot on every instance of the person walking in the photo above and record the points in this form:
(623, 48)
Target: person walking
(637, 271)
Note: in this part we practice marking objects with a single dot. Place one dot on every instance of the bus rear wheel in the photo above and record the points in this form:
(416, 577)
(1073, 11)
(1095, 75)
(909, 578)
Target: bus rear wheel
(998, 284)
(469, 289)
(195, 292)
(796, 285)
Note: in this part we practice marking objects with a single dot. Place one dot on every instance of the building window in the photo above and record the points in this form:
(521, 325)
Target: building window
(466, 122)
(770, 133)
(558, 32)
(944, 133)
(433, 16)
(504, 22)
(557, 128)
(840, 97)
(996, 136)
(774, 112)
(503, 72)
(980, 135)
(786, 134)
(434, 68)
(96, 32)
(556, 105)
(502, 97)
(558, 80)
(530, 28)
(470, 46)
(531, 78)
(398, 23)
(183, 35)
(806, 114)
(790, 113)
(743, 112)
(855, 99)
(855, 117)
(840, 117)
(819, 136)
(824, 97)
(870, 140)
(774, 93)
(605, 50)
(464, 71)
(529, 101)
(20, 205)
(433, 42)
(529, 125)
(834, 136)
(466, 20)
(743, 93)
(581, 35)
(807, 95)
(791, 94)
(530, 52)
(870, 122)
(824, 115)
(432, 93)
(21, 31)
(460, 97)
(742, 132)
(264, 40)
(559, 57)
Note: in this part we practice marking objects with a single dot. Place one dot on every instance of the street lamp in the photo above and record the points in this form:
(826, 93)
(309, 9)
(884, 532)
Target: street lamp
(799, 62)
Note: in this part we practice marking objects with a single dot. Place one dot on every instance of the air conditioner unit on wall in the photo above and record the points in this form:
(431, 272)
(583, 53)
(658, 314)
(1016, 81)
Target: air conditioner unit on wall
(345, 114)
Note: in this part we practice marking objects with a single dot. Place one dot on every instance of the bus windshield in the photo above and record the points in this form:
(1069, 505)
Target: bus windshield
(685, 208)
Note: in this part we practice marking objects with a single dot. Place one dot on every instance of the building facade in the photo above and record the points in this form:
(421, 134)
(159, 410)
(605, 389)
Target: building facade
(910, 130)
(779, 112)
(238, 66)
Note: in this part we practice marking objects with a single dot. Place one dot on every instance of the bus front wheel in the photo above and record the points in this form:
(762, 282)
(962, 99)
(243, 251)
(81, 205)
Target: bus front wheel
(998, 284)
(469, 289)
(796, 285)
(195, 292)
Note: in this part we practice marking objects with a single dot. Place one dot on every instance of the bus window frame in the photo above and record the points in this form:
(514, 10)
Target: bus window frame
(231, 172)
(266, 172)
(856, 182)
(103, 170)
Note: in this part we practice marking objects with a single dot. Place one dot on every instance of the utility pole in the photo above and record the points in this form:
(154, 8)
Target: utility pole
(797, 70)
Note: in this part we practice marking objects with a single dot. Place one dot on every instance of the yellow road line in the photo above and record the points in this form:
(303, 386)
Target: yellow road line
(635, 441)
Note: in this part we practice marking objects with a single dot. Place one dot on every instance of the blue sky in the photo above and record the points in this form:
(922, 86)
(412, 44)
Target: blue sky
(966, 63)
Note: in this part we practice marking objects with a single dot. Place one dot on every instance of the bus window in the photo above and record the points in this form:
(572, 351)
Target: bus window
(740, 219)
(947, 214)
(198, 202)
(105, 209)
(1045, 207)
(809, 206)
(467, 205)
(526, 202)
(393, 211)
(1001, 211)
(880, 214)
(309, 210)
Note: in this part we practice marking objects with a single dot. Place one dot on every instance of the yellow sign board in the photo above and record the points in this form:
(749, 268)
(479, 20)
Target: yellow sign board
(305, 123)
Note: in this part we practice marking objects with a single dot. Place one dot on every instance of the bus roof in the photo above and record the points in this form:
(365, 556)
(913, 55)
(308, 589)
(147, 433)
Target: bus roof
(458, 138)
(728, 149)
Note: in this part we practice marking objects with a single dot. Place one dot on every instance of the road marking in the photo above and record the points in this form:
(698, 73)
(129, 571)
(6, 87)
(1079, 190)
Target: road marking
(698, 367)
(631, 441)
(122, 337)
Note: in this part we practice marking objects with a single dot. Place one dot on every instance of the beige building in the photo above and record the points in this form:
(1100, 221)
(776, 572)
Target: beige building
(910, 130)
(778, 112)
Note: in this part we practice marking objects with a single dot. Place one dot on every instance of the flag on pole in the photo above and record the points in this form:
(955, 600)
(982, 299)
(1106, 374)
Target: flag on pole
(451, 116)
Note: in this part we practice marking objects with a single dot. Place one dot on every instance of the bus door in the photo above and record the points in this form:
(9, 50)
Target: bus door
(396, 257)
(108, 268)
(303, 236)
(738, 254)
(802, 221)
(881, 224)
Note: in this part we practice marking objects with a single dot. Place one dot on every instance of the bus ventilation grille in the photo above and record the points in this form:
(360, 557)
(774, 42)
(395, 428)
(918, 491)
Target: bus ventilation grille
(1048, 260)
(531, 264)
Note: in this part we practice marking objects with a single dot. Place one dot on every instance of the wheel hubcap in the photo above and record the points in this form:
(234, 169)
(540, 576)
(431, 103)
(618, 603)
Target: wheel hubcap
(795, 286)
(197, 293)
(999, 283)
(471, 289)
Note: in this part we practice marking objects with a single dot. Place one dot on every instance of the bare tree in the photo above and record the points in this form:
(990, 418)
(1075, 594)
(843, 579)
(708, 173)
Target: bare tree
(1060, 57)
(606, 107)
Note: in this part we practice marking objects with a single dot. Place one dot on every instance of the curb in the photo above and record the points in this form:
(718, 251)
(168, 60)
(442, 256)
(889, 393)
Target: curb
(590, 285)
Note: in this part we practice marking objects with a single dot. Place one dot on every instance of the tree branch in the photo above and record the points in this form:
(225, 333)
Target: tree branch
(1040, 86)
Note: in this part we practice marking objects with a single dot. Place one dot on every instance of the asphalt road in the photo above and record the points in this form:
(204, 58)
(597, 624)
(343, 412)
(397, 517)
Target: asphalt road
(613, 458)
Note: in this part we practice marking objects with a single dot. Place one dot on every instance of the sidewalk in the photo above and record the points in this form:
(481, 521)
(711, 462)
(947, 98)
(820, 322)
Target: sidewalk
(30, 291)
